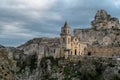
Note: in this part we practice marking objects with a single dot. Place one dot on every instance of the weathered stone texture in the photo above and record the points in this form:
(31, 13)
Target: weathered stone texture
(104, 21)
(103, 52)
(42, 47)
(99, 38)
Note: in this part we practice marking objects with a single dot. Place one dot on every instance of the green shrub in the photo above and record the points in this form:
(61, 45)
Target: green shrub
(67, 70)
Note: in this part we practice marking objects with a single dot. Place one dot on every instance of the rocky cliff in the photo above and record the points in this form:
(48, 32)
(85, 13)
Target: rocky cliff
(6, 66)
(103, 20)
(85, 69)
(40, 46)
(24, 67)
(99, 38)
(105, 31)
(15, 65)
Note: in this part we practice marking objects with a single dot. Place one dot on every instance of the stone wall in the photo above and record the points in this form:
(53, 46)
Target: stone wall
(105, 52)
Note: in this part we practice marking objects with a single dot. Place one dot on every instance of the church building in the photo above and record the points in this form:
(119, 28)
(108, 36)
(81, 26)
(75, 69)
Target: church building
(70, 45)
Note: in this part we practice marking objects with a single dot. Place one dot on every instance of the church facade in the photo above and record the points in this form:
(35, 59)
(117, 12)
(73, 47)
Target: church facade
(70, 45)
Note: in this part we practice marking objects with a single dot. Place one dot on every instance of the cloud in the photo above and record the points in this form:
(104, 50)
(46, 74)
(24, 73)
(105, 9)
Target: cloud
(28, 8)
(15, 30)
(21, 20)
(116, 3)
(28, 4)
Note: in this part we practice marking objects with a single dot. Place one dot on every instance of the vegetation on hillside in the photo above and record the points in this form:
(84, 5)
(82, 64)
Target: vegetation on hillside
(84, 69)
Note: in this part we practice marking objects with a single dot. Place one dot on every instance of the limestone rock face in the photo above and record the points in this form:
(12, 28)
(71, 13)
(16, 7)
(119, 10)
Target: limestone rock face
(6, 66)
(103, 20)
(99, 38)
(40, 46)
(105, 31)
(102, 15)
(15, 65)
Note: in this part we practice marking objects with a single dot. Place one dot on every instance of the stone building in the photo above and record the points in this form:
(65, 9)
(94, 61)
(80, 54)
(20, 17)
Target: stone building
(70, 45)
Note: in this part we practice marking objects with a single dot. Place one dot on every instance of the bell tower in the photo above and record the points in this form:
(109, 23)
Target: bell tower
(66, 40)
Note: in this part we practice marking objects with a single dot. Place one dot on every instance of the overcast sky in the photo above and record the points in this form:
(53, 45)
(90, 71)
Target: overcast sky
(22, 20)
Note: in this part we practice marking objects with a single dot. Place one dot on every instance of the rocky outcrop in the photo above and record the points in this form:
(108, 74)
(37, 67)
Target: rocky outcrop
(105, 31)
(103, 20)
(40, 46)
(6, 66)
(15, 65)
